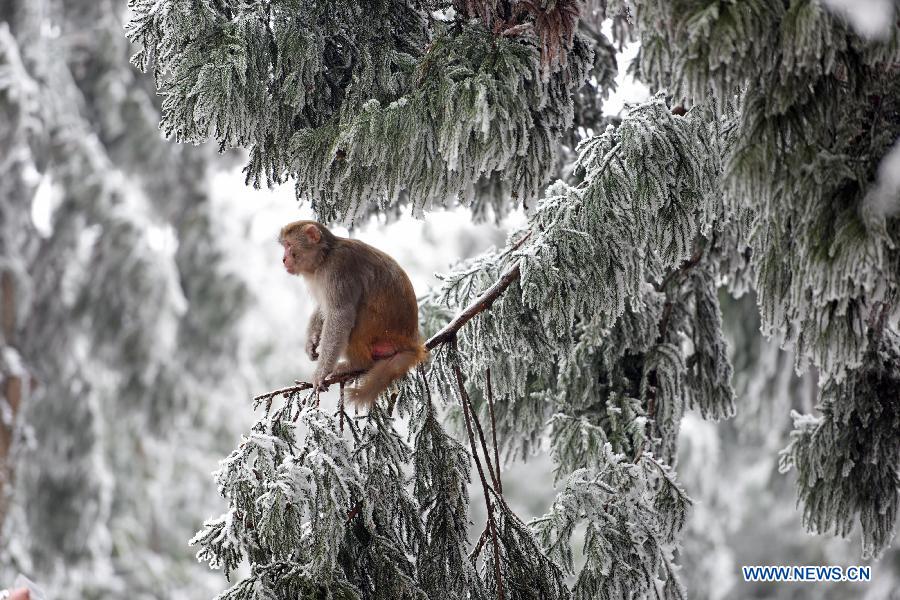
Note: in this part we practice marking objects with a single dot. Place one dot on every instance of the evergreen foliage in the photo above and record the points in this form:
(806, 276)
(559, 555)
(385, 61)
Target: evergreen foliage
(106, 322)
(364, 101)
(847, 458)
(755, 167)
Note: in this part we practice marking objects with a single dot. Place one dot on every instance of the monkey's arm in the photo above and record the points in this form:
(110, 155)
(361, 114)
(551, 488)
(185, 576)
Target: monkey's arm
(335, 334)
(341, 297)
(314, 334)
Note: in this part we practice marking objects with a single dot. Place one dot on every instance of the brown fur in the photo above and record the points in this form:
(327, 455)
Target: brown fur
(367, 303)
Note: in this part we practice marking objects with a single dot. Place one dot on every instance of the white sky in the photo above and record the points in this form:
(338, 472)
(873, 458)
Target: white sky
(870, 18)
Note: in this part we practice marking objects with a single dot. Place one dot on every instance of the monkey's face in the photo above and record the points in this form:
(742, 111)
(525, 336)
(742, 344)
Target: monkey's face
(303, 247)
(293, 257)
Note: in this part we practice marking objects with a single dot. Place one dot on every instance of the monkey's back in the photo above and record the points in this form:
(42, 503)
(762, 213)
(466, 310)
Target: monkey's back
(388, 314)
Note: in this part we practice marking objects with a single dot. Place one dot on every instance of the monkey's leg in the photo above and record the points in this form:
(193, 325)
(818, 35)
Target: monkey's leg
(345, 367)
(357, 357)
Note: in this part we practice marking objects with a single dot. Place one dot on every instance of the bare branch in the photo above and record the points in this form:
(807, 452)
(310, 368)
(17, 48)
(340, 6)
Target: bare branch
(464, 400)
(495, 475)
(341, 407)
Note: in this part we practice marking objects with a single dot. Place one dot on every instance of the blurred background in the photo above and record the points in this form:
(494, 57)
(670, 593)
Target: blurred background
(143, 304)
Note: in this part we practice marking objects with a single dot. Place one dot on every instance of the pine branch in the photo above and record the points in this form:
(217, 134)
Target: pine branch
(878, 319)
(476, 307)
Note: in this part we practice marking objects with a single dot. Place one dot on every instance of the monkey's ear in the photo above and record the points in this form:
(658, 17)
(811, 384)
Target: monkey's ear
(312, 233)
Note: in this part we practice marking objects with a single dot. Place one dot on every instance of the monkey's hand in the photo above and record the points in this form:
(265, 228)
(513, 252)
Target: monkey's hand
(312, 347)
(319, 377)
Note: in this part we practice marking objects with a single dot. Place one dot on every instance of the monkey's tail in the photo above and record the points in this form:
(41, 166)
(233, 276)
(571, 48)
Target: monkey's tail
(382, 373)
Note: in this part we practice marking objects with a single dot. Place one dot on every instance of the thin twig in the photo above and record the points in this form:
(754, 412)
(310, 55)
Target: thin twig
(464, 400)
(341, 408)
(473, 556)
(484, 449)
(490, 398)
(305, 385)
(638, 454)
(516, 245)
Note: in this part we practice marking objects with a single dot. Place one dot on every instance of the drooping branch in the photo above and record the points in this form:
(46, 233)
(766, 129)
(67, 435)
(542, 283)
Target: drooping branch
(476, 307)
(686, 266)
(493, 471)
(663, 327)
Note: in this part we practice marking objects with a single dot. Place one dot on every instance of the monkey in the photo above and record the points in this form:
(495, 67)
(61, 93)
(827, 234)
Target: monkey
(366, 309)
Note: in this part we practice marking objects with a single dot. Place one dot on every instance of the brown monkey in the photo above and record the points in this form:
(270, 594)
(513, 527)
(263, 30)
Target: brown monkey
(366, 308)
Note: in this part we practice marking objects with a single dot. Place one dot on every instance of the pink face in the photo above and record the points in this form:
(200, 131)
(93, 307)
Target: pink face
(288, 258)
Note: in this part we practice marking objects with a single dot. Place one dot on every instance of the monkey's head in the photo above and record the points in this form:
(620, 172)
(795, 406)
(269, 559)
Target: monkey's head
(305, 245)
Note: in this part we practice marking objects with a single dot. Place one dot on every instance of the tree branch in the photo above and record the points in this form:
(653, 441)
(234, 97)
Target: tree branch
(663, 326)
(878, 319)
(495, 475)
(481, 304)
(473, 556)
